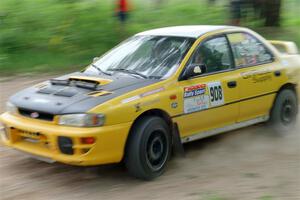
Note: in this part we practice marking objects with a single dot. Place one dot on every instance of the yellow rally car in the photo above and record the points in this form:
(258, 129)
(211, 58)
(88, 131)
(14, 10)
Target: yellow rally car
(153, 92)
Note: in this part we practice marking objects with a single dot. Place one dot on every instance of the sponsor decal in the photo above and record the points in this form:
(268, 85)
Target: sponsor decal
(203, 96)
(152, 92)
(262, 78)
(130, 99)
(197, 103)
(257, 76)
(194, 90)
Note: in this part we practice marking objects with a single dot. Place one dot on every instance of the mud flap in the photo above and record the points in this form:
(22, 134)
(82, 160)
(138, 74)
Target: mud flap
(177, 145)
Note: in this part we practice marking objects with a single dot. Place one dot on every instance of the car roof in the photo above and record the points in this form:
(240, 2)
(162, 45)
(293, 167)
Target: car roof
(185, 31)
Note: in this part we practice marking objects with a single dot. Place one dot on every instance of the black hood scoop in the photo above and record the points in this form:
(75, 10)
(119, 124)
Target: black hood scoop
(67, 94)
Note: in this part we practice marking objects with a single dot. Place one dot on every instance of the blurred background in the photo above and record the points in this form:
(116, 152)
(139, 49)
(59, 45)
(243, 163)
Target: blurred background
(64, 35)
(43, 37)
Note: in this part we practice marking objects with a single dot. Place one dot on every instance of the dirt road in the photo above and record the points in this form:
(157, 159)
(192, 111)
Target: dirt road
(251, 163)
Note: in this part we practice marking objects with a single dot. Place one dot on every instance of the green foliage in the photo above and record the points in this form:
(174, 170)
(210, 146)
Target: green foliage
(215, 198)
(51, 35)
(266, 198)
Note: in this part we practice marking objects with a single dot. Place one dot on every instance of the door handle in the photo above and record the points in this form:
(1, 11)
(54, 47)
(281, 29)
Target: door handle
(277, 73)
(231, 84)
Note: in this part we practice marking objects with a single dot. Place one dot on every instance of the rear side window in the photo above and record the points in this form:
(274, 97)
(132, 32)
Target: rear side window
(248, 51)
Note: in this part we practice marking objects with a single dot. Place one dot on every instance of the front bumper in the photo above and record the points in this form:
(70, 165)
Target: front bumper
(40, 138)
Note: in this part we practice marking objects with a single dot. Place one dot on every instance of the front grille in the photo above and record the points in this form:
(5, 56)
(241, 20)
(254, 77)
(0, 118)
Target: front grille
(36, 115)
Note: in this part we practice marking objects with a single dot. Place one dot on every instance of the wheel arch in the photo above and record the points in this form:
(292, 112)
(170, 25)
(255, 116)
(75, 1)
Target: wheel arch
(289, 86)
(152, 112)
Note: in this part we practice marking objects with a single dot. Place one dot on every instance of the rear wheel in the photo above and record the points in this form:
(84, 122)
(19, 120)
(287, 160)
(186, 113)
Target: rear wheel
(284, 112)
(148, 148)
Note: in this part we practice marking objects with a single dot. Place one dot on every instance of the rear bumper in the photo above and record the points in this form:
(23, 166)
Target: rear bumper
(108, 147)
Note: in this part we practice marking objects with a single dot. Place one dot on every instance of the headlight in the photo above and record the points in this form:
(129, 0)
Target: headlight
(82, 120)
(11, 108)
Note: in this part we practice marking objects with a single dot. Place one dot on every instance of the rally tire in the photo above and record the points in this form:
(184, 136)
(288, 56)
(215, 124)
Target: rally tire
(284, 112)
(148, 148)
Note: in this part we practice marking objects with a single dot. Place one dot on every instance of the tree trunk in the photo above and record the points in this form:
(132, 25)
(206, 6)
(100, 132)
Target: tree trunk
(272, 9)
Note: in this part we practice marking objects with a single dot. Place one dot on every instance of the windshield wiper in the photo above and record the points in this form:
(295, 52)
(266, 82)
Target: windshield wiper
(99, 70)
(155, 77)
(129, 71)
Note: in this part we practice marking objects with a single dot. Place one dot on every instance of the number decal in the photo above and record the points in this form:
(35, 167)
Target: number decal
(216, 94)
(220, 92)
(202, 96)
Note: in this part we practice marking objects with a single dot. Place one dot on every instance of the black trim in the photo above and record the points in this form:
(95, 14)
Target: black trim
(39, 115)
(233, 102)
(231, 52)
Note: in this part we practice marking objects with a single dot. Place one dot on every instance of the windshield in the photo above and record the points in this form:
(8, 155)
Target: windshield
(144, 56)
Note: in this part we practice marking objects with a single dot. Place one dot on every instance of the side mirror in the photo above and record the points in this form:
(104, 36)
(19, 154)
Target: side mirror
(194, 70)
(96, 59)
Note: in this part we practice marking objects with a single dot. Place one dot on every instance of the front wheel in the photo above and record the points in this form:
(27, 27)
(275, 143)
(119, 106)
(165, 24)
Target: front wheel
(284, 112)
(148, 148)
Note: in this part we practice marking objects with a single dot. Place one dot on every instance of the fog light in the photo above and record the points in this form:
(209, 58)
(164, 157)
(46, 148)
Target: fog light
(65, 145)
(88, 140)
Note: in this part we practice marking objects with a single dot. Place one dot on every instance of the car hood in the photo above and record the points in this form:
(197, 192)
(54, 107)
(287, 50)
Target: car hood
(73, 93)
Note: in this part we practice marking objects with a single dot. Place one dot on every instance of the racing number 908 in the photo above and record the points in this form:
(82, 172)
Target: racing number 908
(216, 93)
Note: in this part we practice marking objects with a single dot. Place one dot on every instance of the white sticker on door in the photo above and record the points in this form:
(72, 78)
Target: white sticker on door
(197, 103)
(195, 98)
(216, 94)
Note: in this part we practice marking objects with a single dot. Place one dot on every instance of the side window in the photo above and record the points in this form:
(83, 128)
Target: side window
(248, 51)
(214, 54)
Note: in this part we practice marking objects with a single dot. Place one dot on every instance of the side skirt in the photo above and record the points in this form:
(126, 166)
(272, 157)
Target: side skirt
(217, 131)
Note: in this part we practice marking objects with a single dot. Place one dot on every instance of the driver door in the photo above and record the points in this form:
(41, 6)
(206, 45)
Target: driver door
(209, 99)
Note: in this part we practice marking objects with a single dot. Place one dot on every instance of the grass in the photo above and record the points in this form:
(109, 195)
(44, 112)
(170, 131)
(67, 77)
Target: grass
(64, 35)
(266, 198)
